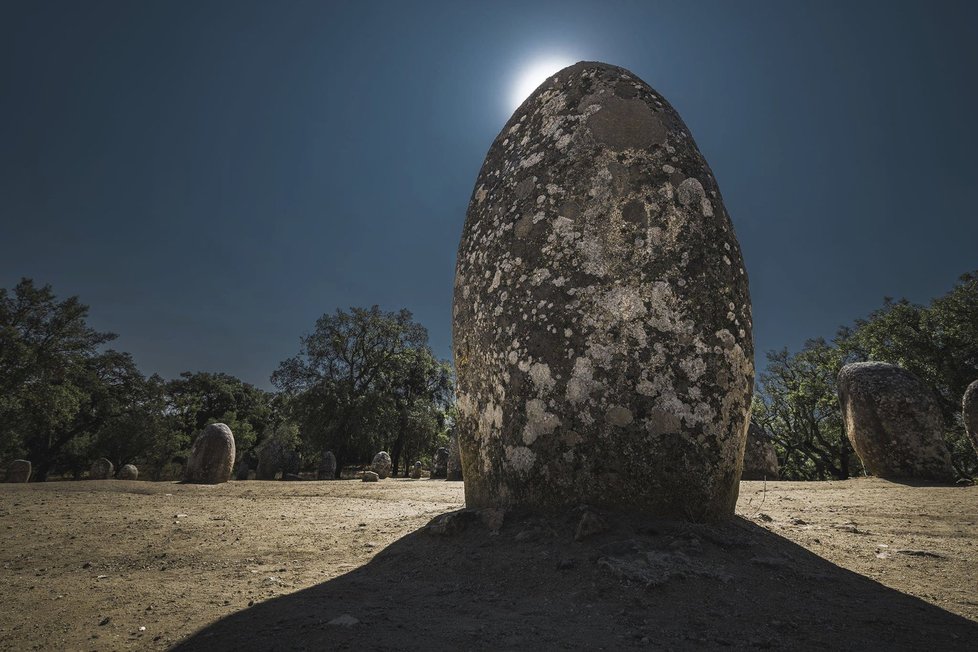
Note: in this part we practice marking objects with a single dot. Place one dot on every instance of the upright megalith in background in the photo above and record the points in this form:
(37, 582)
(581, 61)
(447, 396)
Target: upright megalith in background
(327, 466)
(602, 318)
(381, 465)
(128, 472)
(212, 456)
(760, 458)
(18, 471)
(969, 406)
(894, 422)
(453, 472)
(101, 469)
(244, 471)
(416, 471)
(439, 464)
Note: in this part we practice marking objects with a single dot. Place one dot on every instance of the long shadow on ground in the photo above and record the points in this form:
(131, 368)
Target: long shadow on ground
(641, 583)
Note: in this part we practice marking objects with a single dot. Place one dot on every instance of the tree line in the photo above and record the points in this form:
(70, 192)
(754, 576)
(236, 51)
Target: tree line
(364, 380)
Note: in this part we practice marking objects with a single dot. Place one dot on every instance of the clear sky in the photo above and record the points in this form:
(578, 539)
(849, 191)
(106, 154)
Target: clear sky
(210, 177)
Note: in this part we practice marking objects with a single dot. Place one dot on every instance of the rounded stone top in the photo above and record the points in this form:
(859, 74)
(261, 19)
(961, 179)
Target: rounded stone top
(876, 375)
(601, 319)
(215, 429)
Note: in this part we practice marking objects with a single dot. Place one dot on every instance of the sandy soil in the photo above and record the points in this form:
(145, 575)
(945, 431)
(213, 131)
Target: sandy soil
(105, 565)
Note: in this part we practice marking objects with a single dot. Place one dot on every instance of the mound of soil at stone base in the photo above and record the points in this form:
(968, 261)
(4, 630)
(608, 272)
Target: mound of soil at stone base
(351, 565)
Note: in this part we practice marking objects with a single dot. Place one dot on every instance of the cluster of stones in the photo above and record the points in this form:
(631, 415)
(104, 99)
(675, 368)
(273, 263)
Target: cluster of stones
(602, 318)
(18, 471)
(894, 423)
(212, 456)
(760, 458)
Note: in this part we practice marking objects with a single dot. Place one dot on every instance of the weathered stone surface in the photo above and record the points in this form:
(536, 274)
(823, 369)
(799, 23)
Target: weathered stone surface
(275, 457)
(128, 472)
(101, 469)
(370, 476)
(416, 471)
(760, 458)
(244, 471)
(969, 405)
(602, 318)
(894, 422)
(439, 464)
(327, 467)
(382, 464)
(18, 471)
(453, 471)
(212, 456)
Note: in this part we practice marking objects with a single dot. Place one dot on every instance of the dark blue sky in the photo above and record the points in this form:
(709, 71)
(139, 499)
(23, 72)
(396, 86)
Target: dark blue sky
(212, 176)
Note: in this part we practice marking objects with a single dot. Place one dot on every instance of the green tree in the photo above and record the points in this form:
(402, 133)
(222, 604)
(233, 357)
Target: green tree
(197, 399)
(357, 380)
(57, 385)
(797, 403)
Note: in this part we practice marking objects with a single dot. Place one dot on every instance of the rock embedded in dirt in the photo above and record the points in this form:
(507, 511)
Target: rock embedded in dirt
(101, 469)
(128, 472)
(894, 423)
(382, 464)
(453, 471)
(416, 471)
(969, 407)
(602, 318)
(439, 465)
(18, 471)
(327, 467)
(370, 476)
(212, 456)
(760, 458)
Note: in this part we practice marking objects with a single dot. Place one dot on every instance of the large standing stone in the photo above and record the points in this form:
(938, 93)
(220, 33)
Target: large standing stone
(327, 466)
(273, 457)
(439, 465)
(128, 472)
(969, 406)
(894, 422)
(760, 458)
(602, 319)
(212, 456)
(101, 469)
(381, 464)
(454, 469)
(18, 471)
(244, 471)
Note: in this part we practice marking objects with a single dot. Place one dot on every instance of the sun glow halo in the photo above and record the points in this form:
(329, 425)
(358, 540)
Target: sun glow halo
(534, 75)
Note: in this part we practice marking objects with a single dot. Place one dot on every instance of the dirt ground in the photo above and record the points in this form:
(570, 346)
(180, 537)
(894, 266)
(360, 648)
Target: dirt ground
(106, 565)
